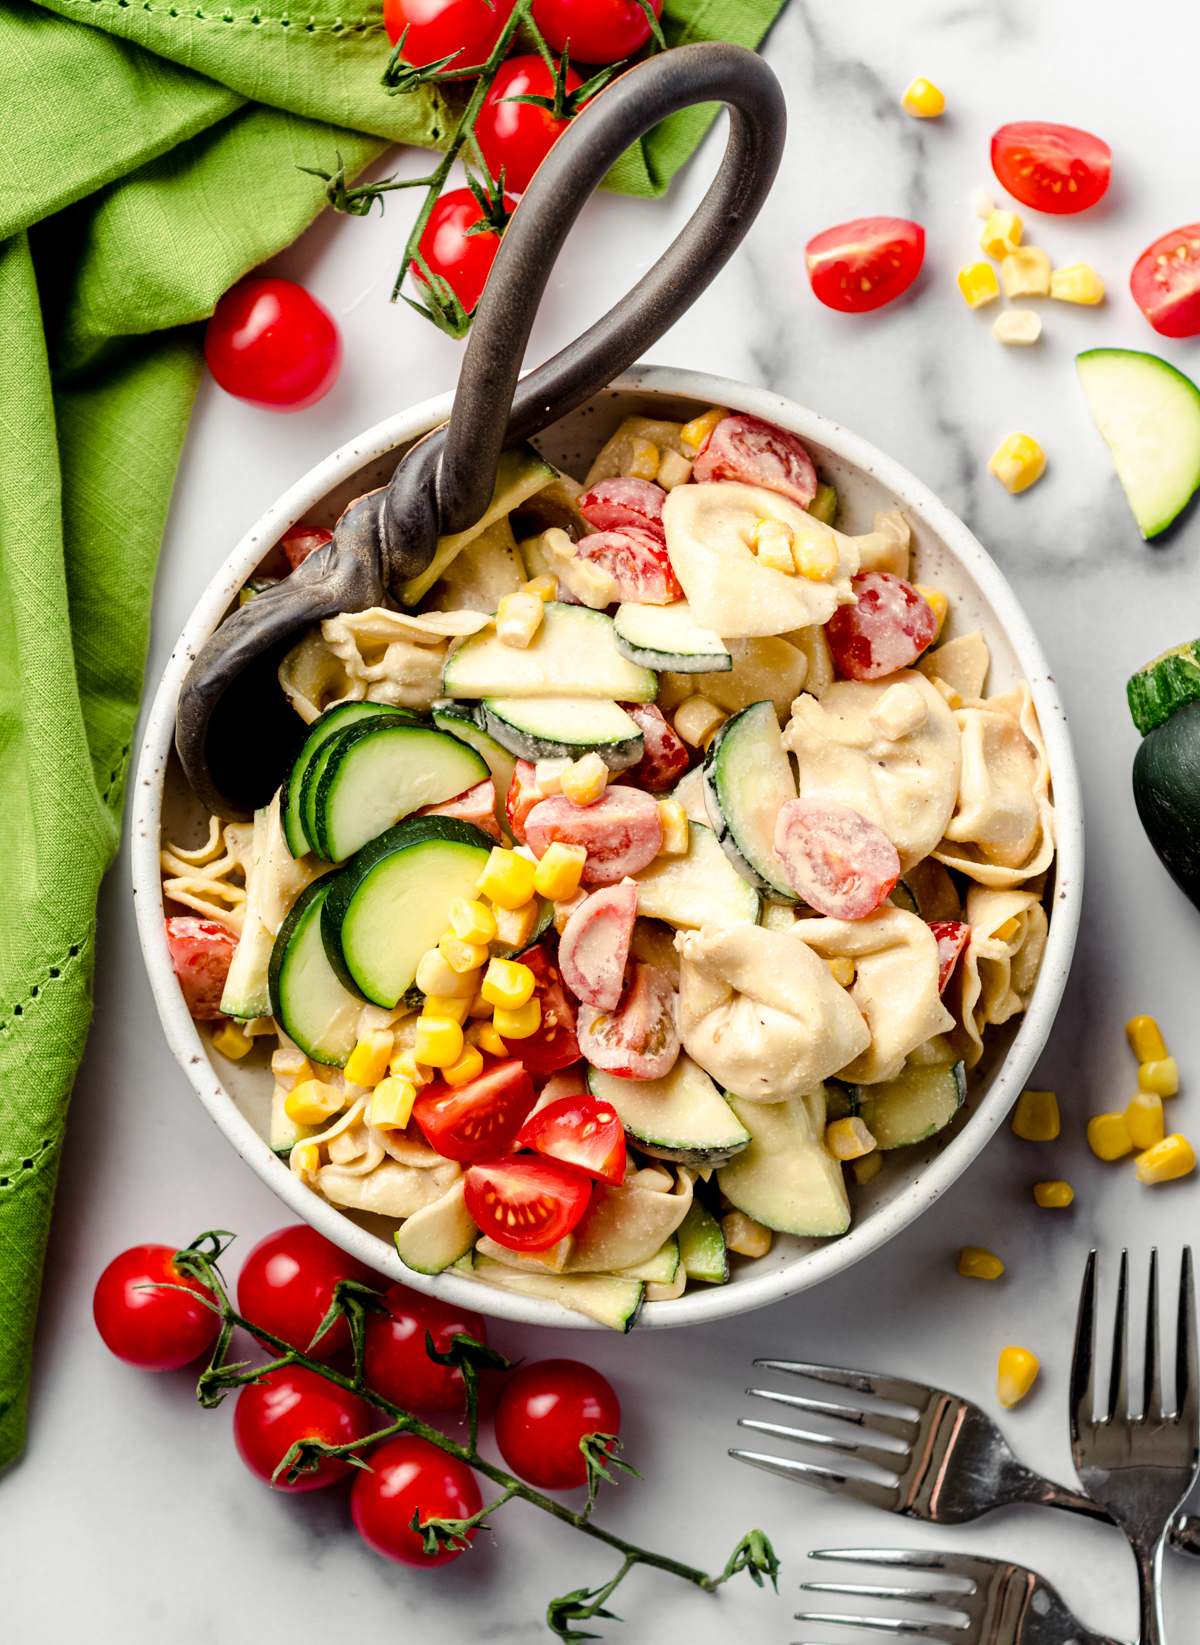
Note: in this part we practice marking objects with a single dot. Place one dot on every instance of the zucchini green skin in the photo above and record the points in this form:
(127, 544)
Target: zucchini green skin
(1166, 791)
(275, 976)
(1164, 686)
(334, 720)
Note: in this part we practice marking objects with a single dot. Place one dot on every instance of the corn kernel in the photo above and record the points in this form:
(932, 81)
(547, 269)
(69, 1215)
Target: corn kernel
(1078, 283)
(696, 718)
(460, 956)
(1025, 272)
(565, 908)
(290, 1063)
(546, 588)
(468, 1067)
(584, 781)
(695, 433)
(673, 821)
(673, 470)
(1017, 325)
(643, 460)
(392, 1103)
(439, 1041)
(1173, 1157)
(518, 618)
(1053, 1196)
(312, 1103)
(843, 969)
(771, 541)
(436, 976)
(1144, 1120)
(404, 1066)
(507, 983)
(938, 603)
(978, 284)
(1017, 462)
(1007, 931)
(982, 203)
(1161, 1077)
(923, 100)
(953, 700)
(1001, 233)
(520, 1021)
(232, 1040)
(479, 1007)
(484, 1035)
(1036, 1116)
(977, 1263)
(507, 879)
(472, 921)
(557, 875)
(548, 776)
(368, 1062)
(515, 926)
(1145, 1039)
(1108, 1136)
(1015, 1375)
(446, 1005)
(867, 1168)
(848, 1139)
(306, 1158)
(745, 1236)
(815, 554)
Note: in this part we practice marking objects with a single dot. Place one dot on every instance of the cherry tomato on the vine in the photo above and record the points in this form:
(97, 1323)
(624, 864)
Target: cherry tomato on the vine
(1058, 169)
(598, 31)
(410, 1475)
(396, 1360)
(293, 1404)
(526, 1202)
(1166, 282)
(862, 265)
(273, 344)
(519, 136)
(286, 1286)
(463, 260)
(159, 1329)
(544, 1411)
(438, 27)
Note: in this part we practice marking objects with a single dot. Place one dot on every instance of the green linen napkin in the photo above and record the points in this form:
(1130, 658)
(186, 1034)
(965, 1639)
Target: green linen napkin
(119, 230)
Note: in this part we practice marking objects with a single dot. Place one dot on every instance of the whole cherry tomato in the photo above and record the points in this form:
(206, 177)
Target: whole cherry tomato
(274, 345)
(409, 1475)
(159, 1329)
(544, 1411)
(1051, 168)
(396, 1360)
(519, 136)
(525, 1202)
(290, 1405)
(438, 27)
(1166, 282)
(862, 265)
(598, 31)
(463, 260)
(286, 1286)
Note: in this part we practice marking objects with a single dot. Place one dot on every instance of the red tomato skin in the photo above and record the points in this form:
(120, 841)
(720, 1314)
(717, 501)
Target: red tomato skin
(640, 1039)
(555, 1045)
(579, 1130)
(622, 501)
(839, 862)
(1056, 169)
(598, 31)
(463, 260)
(594, 944)
(272, 344)
(395, 1358)
(201, 953)
(286, 1286)
(474, 805)
(303, 540)
(521, 798)
(1168, 293)
(666, 757)
(886, 252)
(636, 560)
(544, 1411)
(409, 1475)
(548, 1198)
(620, 831)
(293, 1404)
(952, 938)
(519, 136)
(888, 628)
(479, 1119)
(758, 454)
(438, 27)
(156, 1330)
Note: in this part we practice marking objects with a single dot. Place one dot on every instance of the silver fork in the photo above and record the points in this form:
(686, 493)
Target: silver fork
(1139, 1469)
(1005, 1605)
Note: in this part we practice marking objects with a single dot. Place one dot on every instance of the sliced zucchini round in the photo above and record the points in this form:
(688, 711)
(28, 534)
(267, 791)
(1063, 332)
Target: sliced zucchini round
(917, 1104)
(668, 637)
(339, 718)
(379, 772)
(465, 721)
(681, 1117)
(553, 728)
(308, 1000)
(747, 777)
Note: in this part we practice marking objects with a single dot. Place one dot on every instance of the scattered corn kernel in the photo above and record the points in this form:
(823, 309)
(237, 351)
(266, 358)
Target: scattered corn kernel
(436, 976)
(518, 618)
(461, 956)
(695, 433)
(844, 970)
(548, 775)
(1017, 462)
(673, 821)
(404, 1066)
(1161, 1077)
(923, 100)
(518, 1022)
(1025, 272)
(468, 1067)
(507, 983)
(936, 600)
(1001, 233)
(1036, 1116)
(312, 1103)
(815, 553)
(392, 1103)
(1078, 283)
(1007, 931)
(673, 470)
(977, 1263)
(1108, 1136)
(439, 1041)
(1015, 1375)
(745, 1236)
(1145, 1039)
(446, 1005)
(368, 1062)
(1144, 1120)
(848, 1138)
(978, 284)
(1173, 1157)
(982, 203)
(1053, 1196)
(1017, 325)
(696, 718)
(643, 460)
(772, 542)
(867, 1168)
(584, 781)
(515, 926)
(546, 588)
(232, 1040)
(472, 921)
(484, 1035)
(507, 879)
(557, 875)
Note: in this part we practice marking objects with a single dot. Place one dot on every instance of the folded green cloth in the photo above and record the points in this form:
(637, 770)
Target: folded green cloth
(118, 233)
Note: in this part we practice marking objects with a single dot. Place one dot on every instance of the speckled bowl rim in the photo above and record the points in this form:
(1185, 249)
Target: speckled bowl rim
(749, 1290)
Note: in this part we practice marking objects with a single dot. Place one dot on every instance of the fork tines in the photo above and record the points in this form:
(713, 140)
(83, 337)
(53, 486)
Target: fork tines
(1187, 1381)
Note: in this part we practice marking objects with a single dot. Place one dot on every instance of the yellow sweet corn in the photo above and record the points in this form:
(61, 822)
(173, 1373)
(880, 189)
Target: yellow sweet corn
(479, 1007)
(848, 1139)
(1145, 1039)
(1017, 325)
(507, 983)
(696, 719)
(1017, 462)
(1007, 931)
(468, 1066)
(472, 921)
(1036, 1116)
(695, 433)
(1144, 1120)
(1015, 1375)
(584, 781)
(404, 1066)
(439, 1041)
(923, 100)
(515, 926)
(368, 1062)
(436, 976)
(312, 1103)
(548, 776)
(1078, 283)
(673, 821)
(844, 970)
(815, 554)
(557, 875)
(446, 1005)
(563, 910)
(977, 1263)
(518, 618)
(1025, 272)
(673, 470)
(978, 284)
(520, 1021)
(546, 588)
(1161, 1077)
(1053, 1196)
(232, 1040)
(462, 957)
(1108, 1136)
(745, 1236)
(643, 460)
(306, 1158)
(392, 1103)
(1173, 1157)
(867, 1168)
(507, 878)
(484, 1035)
(936, 600)
(1001, 233)
(772, 542)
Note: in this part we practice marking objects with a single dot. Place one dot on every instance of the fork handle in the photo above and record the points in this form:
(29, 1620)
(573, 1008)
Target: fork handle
(1026, 1486)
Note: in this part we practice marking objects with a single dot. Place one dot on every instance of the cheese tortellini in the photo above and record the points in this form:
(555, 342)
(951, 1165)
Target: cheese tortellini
(996, 975)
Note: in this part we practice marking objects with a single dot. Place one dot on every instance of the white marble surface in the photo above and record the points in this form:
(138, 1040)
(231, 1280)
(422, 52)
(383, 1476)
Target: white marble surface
(130, 1516)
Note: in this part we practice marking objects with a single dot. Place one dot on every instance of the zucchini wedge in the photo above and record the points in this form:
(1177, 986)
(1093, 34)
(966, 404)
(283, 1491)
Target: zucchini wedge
(604, 1297)
(379, 772)
(787, 1178)
(702, 1246)
(917, 1104)
(335, 720)
(681, 1117)
(552, 728)
(700, 888)
(747, 777)
(668, 637)
(1149, 415)
(439, 1234)
(573, 654)
(308, 1000)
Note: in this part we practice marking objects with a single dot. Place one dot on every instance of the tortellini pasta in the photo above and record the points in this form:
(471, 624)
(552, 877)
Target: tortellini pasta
(379, 656)
(997, 973)
(362, 1168)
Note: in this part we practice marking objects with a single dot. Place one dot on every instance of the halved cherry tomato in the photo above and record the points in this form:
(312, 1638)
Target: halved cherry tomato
(620, 831)
(522, 796)
(272, 344)
(554, 1045)
(582, 1131)
(519, 136)
(621, 501)
(287, 1283)
(842, 864)
(544, 1411)
(1058, 169)
(526, 1202)
(395, 1356)
(636, 560)
(303, 540)
(462, 259)
(757, 454)
(438, 27)
(474, 805)
(408, 1476)
(952, 937)
(639, 1040)
(594, 944)
(293, 1404)
(887, 629)
(862, 265)
(201, 953)
(479, 1119)
(1166, 282)
(665, 758)
(149, 1314)
(597, 31)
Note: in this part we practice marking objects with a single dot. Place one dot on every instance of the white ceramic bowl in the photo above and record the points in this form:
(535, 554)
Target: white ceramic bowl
(238, 1097)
